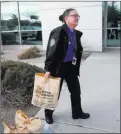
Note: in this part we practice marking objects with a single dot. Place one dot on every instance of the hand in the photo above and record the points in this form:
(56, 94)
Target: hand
(47, 75)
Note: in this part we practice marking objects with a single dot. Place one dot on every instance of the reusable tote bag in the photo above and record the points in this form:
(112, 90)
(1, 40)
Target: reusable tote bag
(46, 91)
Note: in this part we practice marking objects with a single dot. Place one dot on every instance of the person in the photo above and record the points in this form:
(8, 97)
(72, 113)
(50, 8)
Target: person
(116, 28)
(63, 58)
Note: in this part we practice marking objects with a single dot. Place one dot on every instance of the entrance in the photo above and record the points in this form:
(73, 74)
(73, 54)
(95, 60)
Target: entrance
(113, 24)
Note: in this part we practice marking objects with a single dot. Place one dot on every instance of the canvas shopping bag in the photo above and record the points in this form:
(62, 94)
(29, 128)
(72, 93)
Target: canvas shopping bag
(46, 91)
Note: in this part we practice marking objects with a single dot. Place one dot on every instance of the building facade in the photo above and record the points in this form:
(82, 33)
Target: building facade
(30, 23)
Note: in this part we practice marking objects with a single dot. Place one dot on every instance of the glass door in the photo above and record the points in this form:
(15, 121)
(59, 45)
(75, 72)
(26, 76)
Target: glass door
(113, 24)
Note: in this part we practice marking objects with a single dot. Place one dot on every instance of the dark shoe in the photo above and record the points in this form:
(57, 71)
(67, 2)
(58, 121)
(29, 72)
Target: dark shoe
(82, 116)
(49, 119)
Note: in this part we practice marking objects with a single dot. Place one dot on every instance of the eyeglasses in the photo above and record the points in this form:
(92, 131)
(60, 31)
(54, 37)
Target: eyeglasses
(75, 15)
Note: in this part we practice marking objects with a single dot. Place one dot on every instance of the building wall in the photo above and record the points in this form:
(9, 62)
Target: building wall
(90, 21)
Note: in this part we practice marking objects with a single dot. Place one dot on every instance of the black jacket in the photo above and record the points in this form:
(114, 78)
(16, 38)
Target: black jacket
(57, 47)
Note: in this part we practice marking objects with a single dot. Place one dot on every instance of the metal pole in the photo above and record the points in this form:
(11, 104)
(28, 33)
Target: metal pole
(0, 29)
(105, 23)
(19, 24)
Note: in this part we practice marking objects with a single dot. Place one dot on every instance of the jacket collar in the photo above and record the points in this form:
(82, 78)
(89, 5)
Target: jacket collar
(78, 33)
(64, 27)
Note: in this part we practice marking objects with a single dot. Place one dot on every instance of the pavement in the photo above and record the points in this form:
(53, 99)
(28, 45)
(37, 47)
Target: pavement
(100, 93)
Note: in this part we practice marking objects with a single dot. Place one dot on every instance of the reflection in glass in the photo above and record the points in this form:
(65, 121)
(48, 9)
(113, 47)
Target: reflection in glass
(10, 38)
(25, 15)
(30, 23)
(114, 20)
(9, 16)
(36, 35)
(29, 16)
(113, 23)
(114, 33)
(31, 37)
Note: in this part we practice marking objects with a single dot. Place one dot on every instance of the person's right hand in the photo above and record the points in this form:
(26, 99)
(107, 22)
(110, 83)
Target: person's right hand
(47, 75)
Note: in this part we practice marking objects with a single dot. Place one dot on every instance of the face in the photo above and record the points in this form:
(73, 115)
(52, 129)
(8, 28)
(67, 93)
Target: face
(72, 18)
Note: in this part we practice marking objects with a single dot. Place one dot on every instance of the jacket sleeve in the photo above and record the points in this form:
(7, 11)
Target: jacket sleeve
(80, 52)
(51, 50)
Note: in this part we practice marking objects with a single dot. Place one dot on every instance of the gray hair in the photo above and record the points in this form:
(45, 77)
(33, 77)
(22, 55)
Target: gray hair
(66, 13)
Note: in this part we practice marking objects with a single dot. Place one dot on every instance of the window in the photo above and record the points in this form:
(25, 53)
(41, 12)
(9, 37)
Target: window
(9, 17)
(9, 23)
(30, 23)
(113, 24)
(20, 23)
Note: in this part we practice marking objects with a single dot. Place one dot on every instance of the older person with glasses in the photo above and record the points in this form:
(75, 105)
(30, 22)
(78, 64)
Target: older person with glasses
(63, 58)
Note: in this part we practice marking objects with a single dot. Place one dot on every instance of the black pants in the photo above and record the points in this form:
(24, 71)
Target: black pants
(68, 73)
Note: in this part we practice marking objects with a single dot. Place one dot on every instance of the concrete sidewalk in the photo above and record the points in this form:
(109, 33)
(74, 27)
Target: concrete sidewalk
(100, 87)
